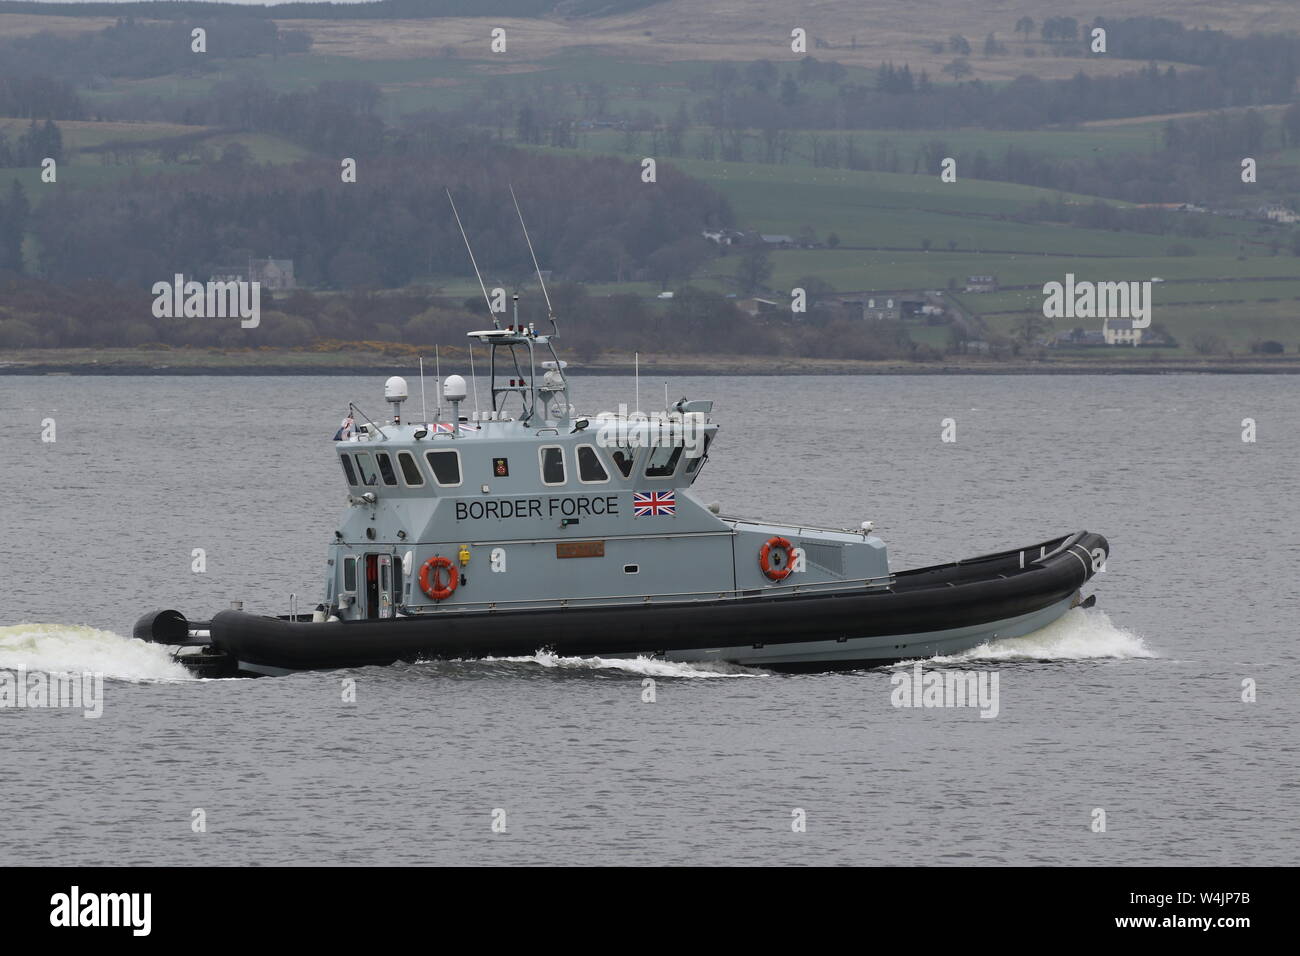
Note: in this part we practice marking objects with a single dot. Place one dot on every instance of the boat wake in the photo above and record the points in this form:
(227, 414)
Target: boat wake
(67, 649)
(1078, 635)
(643, 666)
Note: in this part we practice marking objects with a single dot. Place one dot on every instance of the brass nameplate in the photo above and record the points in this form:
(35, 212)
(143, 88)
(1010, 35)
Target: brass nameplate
(580, 549)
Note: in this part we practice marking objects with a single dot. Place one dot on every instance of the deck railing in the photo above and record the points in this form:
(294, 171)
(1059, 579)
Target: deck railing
(624, 600)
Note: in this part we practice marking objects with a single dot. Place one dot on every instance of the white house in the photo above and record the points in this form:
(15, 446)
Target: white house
(1121, 332)
(274, 274)
(881, 309)
(1276, 212)
(724, 237)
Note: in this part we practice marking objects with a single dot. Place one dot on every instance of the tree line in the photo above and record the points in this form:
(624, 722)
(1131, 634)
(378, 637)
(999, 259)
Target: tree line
(1199, 160)
(592, 219)
(899, 101)
(14, 211)
(375, 10)
(32, 97)
(37, 143)
(101, 314)
(132, 50)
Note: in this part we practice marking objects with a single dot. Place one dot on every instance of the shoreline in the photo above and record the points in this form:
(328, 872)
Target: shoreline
(370, 362)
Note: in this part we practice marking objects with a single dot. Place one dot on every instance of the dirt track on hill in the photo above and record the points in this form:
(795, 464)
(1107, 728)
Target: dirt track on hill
(858, 32)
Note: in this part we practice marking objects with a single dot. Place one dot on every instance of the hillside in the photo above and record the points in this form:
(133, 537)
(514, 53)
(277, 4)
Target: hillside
(822, 149)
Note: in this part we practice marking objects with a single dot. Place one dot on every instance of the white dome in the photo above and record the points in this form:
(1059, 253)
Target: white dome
(395, 389)
(453, 388)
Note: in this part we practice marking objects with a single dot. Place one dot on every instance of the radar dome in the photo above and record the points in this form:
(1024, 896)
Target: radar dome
(453, 388)
(395, 389)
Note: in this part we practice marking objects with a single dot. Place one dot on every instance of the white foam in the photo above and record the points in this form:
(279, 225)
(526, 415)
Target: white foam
(645, 666)
(65, 649)
(1077, 635)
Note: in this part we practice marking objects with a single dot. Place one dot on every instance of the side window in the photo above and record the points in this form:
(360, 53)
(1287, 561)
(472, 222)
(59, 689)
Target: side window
(622, 457)
(445, 466)
(410, 470)
(366, 467)
(590, 468)
(663, 461)
(552, 459)
(349, 574)
(693, 464)
(347, 469)
(386, 468)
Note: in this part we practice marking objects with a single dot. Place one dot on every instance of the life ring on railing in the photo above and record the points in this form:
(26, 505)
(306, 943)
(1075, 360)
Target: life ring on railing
(765, 558)
(430, 577)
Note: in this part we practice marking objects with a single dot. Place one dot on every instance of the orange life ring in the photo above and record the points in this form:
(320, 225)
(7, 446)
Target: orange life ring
(430, 583)
(765, 558)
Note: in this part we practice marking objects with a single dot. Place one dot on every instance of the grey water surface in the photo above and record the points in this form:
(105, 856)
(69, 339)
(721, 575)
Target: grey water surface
(1134, 708)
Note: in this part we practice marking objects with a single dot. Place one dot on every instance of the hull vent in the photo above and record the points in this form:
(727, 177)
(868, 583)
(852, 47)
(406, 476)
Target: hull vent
(827, 557)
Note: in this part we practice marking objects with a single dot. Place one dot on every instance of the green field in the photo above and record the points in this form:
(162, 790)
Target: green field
(881, 220)
(895, 210)
(1238, 326)
(851, 270)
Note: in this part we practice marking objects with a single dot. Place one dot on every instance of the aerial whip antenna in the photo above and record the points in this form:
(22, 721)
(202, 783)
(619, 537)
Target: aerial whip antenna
(473, 376)
(424, 415)
(486, 298)
(550, 312)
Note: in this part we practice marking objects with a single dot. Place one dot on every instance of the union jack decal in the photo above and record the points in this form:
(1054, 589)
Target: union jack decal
(647, 503)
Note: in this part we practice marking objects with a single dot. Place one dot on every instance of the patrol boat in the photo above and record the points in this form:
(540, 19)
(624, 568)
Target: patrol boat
(533, 527)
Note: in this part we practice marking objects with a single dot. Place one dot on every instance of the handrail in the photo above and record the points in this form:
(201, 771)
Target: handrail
(797, 528)
(617, 600)
(353, 407)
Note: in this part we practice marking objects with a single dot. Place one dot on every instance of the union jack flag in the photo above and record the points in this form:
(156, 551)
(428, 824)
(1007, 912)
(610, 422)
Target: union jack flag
(346, 430)
(646, 503)
(442, 428)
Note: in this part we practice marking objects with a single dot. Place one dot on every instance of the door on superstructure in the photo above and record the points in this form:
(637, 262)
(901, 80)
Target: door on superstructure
(379, 586)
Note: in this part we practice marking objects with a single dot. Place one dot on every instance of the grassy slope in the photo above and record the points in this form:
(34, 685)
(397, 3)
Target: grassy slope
(864, 209)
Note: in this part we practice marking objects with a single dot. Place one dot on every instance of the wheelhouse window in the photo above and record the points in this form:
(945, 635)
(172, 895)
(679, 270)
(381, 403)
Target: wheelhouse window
(552, 460)
(366, 468)
(693, 464)
(445, 466)
(349, 575)
(663, 461)
(622, 457)
(348, 469)
(410, 470)
(591, 470)
(386, 468)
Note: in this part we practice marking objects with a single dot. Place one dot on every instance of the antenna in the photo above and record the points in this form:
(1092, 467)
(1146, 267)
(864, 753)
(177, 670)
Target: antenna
(486, 298)
(474, 378)
(424, 414)
(550, 312)
(437, 374)
(636, 359)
